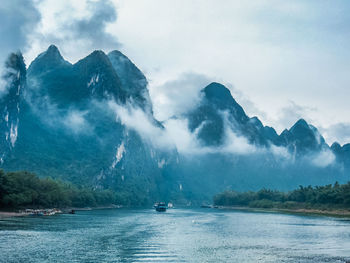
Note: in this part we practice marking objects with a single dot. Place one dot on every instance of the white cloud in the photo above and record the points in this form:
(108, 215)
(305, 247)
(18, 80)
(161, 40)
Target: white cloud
(138, 120)
(2, 86)
(338, 132)
(17, 19)
(281, 152)
(76, 27)
(291, 113)
(71, 120)
(181, 136)
(177, 96)
(323, 158)
(237, 144)
(75, 121)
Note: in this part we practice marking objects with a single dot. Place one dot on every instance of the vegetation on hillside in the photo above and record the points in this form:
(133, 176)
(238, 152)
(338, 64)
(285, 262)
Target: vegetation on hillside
(320, 197)
(24, 189)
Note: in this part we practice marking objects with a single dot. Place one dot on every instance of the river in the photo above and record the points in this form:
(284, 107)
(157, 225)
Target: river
(178, 235)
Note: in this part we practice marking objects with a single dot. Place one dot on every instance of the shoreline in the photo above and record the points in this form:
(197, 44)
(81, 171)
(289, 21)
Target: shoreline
(4, 214)
(299, 211)
(8, 214)
(342, 213)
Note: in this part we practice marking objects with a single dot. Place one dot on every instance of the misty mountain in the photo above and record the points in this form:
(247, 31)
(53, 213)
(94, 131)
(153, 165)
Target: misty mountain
(67, 130)
(218, 111)
(92, 123)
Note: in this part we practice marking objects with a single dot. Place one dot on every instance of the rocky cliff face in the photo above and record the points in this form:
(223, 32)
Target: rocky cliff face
(15, 79)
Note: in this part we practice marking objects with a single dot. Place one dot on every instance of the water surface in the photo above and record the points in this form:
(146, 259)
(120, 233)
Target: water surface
(179, 235)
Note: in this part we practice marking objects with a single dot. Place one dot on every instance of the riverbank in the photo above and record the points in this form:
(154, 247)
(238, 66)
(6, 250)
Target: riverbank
(64, 210)
(6, 214)
(299, 211)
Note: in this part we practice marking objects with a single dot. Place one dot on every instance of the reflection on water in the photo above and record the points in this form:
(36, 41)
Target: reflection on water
(179, 235)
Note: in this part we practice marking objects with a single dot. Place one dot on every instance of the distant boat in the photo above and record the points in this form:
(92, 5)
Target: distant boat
(170, 205)
(160, 207)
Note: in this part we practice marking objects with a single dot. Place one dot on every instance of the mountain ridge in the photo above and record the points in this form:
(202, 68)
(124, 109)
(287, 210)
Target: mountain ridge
(67, 129)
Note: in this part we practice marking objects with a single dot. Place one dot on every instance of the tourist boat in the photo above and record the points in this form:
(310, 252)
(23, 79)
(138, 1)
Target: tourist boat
(160, 207)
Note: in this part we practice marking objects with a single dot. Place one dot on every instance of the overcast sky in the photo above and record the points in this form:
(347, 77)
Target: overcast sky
(282, 60)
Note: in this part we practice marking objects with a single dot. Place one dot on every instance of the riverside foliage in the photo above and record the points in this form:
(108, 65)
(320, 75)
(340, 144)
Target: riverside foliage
(320, 197)
(24, 189)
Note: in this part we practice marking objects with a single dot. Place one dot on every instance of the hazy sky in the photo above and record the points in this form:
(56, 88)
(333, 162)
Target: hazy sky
(282, 60)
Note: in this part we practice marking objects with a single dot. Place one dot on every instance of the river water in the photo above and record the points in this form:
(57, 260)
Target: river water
(179, 235)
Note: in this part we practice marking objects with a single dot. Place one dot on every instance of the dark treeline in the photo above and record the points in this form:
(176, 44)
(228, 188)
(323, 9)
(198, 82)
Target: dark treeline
(24, 189)
(320, 197)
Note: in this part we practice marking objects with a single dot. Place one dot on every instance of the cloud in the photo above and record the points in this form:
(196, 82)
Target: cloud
(248, 105)
(291, 113)
(77, 27)
(17, 20)
(339, 132)
(234, 143)
(136, 119)
(175, 97)
(181, 94)
(237, 144)
(323, 158)
(93, 28)
(3, 84)
(75, 121)
(282, 152)
(71, 120)
(187, 143)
